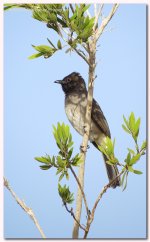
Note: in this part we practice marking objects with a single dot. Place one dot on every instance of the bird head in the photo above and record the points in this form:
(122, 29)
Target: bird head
(72, 82)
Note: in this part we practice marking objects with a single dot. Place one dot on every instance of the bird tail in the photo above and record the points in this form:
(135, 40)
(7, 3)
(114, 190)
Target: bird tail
(112, 172)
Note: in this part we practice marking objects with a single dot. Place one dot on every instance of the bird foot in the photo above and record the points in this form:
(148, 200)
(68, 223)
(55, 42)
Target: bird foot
(82, 148)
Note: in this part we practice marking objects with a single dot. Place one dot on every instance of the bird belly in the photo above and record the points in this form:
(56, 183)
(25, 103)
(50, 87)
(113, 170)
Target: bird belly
(76, 115)
(76, 118)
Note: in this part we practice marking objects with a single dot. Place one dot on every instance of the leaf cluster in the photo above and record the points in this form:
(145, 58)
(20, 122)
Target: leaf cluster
(64, 160)
(79, 23)
(131, 126)
(44, 50)
(107, 148)
(65, 143)
(59, 17)
(65, 194)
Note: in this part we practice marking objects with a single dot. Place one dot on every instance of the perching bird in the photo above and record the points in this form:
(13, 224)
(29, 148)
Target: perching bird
(75, 91)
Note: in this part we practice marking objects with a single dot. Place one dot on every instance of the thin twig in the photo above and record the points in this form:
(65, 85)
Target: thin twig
(72, 9)
(88, 13)
(91, 217)
(83, 194)
(98, 15)
(84, 57)
(95, 9)
(72, 214)
(106, 20)
(28, 210)
(104, 190)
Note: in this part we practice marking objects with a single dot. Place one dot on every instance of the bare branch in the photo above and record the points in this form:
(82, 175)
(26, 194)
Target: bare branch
(103, 191)
(80, 54)
(98, 15)
(95, 9)
(28, 210)
(79, 200)
(91, 217)
(83, 56)
(91, 46)
(92, 65)
(72, 9)
(83, 194)
(72, 214)
(88, 13)
(106, 21)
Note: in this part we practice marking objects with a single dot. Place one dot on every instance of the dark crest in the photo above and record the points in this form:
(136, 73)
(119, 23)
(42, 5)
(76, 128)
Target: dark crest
(73, 82)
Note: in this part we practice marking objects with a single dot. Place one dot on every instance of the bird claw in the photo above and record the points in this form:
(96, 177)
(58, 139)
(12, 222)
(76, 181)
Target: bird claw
(82, 148)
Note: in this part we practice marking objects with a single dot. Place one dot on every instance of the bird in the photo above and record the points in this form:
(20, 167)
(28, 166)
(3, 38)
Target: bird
(75, 91)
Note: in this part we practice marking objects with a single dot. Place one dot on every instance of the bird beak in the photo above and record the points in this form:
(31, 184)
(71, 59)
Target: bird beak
(58, 81)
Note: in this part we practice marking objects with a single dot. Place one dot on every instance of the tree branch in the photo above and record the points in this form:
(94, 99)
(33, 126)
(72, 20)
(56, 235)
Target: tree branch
(72, 9)
(83, 194)
(72, 214)
(28, 210)
(91, 217)
(95, 9)
(80, 54)
(92, 65)
(88, 13)
(84, 57)
(106, 21)
(98, 15)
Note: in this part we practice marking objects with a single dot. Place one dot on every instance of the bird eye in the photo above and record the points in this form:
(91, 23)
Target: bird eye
(68, 79)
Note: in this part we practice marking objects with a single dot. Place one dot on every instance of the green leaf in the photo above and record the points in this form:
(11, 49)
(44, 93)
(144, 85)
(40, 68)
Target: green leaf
(86, 7)
(73, 16)
(67, 175)
(53, 161)
(42, 159)
(46, 167)
(132, 122)
(61, 177)
(134, 159)
(131, 151)
(138, 172)
(31, 57)
(43, 48)
(125, 129)
(70, 153)
(65, 194)
(9, 6)
(110, 162)
(59, 45)
(61, 163)
(59, 170)
(59, 131)
(127, 160)
(122, 179)
(125, 183)
(76, 161)
(101, 148)
(52, 18)
(79, 161)
(143, 147)
(136, 127)
(130, 169)
(51, 43)
(126, 122)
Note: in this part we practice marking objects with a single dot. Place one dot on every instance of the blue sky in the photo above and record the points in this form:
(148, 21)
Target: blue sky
(33, 103)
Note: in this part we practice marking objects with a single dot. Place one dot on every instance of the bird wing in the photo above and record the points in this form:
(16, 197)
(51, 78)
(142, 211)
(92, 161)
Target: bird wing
(99, 118)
